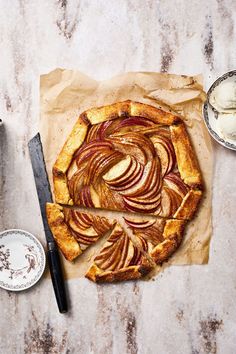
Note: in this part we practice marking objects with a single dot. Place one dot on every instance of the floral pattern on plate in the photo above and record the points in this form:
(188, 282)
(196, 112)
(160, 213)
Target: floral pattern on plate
(22, 260)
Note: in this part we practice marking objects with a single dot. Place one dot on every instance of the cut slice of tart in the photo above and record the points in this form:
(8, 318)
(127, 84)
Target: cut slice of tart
(74, 230)
(119, 259)
(132, 157)
(158, 237)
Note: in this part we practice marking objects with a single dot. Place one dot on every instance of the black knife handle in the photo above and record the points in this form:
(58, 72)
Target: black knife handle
(57, 277)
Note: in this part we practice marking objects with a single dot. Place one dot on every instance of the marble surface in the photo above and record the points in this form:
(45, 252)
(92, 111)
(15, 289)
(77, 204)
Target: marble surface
(187, 310)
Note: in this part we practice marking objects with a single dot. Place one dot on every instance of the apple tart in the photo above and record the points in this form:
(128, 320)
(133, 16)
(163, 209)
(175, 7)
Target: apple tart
(133, 158)
(129, 157)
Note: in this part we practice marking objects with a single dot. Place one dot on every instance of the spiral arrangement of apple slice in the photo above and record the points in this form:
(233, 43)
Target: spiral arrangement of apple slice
(86, 228)
(118, 252)
(127, 164)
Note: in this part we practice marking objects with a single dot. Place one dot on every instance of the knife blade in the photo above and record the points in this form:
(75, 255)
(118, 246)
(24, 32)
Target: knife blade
(44, 196)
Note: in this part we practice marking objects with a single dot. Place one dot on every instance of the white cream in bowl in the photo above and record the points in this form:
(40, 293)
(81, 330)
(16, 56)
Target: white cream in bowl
(227, 125)
(223, 97)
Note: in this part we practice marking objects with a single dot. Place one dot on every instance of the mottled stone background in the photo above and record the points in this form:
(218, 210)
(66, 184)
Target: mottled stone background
(186, 310)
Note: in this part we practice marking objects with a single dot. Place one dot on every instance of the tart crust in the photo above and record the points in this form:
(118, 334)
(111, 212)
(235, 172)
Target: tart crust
(61, 233)
(73, 142)
(189, 205)
(131, 109)
(173, 235)
(185, 155)
(133, 272)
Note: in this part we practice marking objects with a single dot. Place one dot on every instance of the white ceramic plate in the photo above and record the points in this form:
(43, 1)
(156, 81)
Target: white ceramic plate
(22, 260)
(211, 115)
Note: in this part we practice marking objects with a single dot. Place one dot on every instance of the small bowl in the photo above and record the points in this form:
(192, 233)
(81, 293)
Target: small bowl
(211, 115)
(22, 260)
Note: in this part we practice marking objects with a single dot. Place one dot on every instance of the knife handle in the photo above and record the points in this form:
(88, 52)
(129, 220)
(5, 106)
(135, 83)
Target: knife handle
(57, 277)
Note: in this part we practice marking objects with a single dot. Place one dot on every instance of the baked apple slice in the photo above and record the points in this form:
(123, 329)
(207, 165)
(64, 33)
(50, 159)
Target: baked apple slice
(165, 151)
(119, 259)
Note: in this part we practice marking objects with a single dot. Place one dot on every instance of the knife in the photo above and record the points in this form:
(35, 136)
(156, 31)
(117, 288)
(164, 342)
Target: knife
(44, 196)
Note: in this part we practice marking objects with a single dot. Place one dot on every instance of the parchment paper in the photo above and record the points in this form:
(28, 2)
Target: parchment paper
(66, 93)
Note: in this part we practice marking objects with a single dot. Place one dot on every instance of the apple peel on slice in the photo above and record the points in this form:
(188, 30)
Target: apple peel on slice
(115, 174)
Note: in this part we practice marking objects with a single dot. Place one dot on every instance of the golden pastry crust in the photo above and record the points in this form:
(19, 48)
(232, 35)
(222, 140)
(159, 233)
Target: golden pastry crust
(128, 262)
(65, 241)
(156, 115)
(131, 109)
(74, 141)
(133, 272)
(173, 235)
(186, 158)
(189, 205)
(104, 113)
